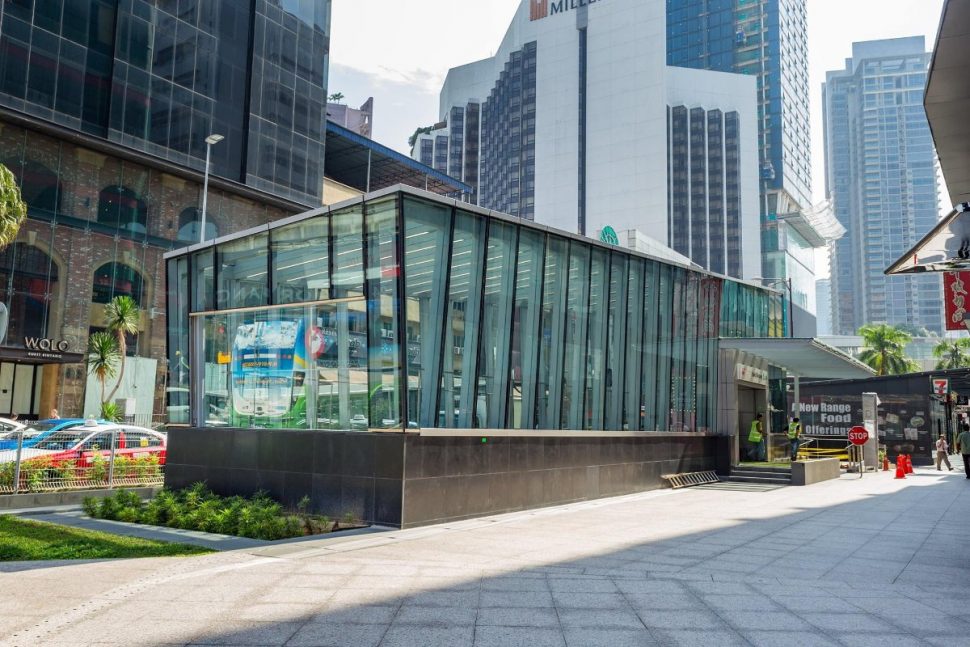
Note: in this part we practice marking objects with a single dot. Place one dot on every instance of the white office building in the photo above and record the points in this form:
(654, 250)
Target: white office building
(578, 123)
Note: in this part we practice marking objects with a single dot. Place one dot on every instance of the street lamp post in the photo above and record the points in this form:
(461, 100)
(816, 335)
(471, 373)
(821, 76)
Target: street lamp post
(209, 141)
(791, 299)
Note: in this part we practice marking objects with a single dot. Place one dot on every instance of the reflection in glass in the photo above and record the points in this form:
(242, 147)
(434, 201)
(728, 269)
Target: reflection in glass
(301, 261)
(493, 358)
(525, 329)
(596, 348)
(616, 343)
(204, 280)
(551, 330)
(383, 271)
(347, 229)
(242, 273)
(577, 309)
(462, 322)
(632, 410)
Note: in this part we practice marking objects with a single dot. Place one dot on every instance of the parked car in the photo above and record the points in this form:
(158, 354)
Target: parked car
(37, 431)
(82, 444)
(6, 425)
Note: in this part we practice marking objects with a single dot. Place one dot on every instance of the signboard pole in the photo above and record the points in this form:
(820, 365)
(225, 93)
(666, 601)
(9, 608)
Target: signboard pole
(870, 420)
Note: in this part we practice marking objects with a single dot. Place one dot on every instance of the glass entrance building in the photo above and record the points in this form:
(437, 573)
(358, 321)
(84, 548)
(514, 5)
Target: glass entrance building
(412, 359)
(408, 311)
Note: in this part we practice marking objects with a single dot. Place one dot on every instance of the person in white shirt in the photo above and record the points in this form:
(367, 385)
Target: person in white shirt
(942, 453)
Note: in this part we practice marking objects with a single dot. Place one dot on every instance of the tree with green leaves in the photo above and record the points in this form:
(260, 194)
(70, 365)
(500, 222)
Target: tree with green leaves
(417, 133)
(884, 349)
(336, 97)
(13, 209)
(952, 353)
(123, 317)
(102, 358)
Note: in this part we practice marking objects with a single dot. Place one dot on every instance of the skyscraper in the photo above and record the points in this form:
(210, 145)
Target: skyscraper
(105, 106)
(881, 175)
(578, 123)
(766, 39)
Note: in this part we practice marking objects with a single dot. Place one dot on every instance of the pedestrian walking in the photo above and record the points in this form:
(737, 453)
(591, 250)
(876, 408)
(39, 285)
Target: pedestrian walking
(942, 453)
(756, 440)
(794, 436)
(963, 446)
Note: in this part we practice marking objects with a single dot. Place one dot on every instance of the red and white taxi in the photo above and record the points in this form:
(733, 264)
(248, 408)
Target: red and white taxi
(82, 444)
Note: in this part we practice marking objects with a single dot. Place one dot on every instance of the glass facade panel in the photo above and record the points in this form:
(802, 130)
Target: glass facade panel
(493, 359)
(574, 366)
(242, 273)
(453, 320)
(384, 326)
(427, 232)
(599, 286)
(525, 330)
(301, 261)
(347, 229)
(551, 333)
(462, 321)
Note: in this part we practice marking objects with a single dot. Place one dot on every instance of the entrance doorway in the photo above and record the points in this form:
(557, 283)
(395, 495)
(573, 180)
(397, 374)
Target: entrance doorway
(20, 386)
(751, 402)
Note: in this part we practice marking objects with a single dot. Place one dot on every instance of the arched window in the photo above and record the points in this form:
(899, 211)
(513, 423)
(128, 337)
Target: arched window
(114, 280)
(39, 185)
(120, 207)
(189, 221)
(28, 283)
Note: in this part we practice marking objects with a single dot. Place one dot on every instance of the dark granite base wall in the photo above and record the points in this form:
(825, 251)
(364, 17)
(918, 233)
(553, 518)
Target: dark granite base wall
(450, 478)
(356, 472)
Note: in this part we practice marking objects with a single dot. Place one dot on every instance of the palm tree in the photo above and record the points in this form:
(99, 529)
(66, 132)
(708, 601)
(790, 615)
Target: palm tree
(336, 97)
(123, 317)
(952, 353)
(102, 357)
(13, 209)
(884, 349)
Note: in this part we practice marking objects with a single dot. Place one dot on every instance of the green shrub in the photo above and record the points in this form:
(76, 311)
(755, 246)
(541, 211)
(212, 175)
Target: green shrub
(90, 506)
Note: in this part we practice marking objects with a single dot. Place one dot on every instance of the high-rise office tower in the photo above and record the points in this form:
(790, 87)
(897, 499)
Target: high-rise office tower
(105, 108)
(881, 174)
(766, 39)
(578, 123)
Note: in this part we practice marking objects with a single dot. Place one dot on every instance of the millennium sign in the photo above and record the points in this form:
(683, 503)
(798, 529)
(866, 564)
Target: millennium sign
(539, 9)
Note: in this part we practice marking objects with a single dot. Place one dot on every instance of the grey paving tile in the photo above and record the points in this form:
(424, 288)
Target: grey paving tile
(581, 585)
(249, 633)
(589, 600)
(523, 617)
(765, 620)
(515, 584)
(435, 616)
(362, 615)
(408, 636)
(609, 638)
(815, 604)
(885, 640)
(599, 618)
(704, 638)
(664, 601)
(516, 599)
(663, 619)
(846, 622)
(337, 635)
(787, 639)
(739, 602)
(442, 599)
(518, 637)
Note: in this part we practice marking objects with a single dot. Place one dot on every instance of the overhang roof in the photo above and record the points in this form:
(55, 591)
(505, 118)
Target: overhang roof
(947, 98)
(351, 156)
(945, 248)
(802, 357)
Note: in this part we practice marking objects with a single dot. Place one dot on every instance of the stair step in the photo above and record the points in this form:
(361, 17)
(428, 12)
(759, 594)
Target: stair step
(783, 475)
(759, 479)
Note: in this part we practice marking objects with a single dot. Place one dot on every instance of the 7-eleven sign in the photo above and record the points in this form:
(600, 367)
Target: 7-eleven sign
(941, 386)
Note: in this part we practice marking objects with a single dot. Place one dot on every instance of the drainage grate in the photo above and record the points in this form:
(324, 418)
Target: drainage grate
(690, 478)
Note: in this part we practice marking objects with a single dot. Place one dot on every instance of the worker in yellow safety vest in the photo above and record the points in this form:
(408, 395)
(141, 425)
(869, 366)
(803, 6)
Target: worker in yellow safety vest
(756, 440)
(794, 436)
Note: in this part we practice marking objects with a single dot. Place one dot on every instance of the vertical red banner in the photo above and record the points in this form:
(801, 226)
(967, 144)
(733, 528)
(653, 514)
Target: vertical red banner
(538, 9)
(956, 295)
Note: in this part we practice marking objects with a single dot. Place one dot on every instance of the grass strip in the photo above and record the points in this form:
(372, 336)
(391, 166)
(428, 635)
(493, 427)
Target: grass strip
(23, 540)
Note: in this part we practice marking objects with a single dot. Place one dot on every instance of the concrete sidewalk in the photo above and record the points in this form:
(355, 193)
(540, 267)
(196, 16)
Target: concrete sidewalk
(847, 562)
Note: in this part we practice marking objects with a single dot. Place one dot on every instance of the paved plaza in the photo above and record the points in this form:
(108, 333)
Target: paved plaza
(851, 562)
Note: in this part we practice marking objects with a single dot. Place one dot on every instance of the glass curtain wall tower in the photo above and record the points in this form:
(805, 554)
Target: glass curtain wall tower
(766, 39)
(881, 176)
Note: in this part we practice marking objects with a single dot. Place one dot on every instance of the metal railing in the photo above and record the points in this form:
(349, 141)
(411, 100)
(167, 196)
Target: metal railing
(27, 472)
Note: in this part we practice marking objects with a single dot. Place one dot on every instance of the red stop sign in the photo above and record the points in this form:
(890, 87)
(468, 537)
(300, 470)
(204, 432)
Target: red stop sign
(858, 436)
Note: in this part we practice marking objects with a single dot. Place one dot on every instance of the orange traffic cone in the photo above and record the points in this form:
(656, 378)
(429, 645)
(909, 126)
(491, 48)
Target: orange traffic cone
(900, 467)
(909, 463)
(885, 463)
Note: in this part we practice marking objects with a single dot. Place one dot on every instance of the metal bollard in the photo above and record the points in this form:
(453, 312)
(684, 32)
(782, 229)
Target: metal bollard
(111, 459)
(16, 469)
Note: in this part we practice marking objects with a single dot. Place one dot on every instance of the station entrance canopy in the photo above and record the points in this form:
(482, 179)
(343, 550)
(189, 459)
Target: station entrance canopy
(802, 357)
(946, 248)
